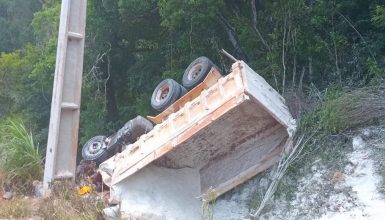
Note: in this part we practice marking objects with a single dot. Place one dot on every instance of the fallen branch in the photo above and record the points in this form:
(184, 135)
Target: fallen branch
(289, 155)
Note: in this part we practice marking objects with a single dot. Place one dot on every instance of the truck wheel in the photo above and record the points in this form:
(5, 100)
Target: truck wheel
(95, 149)
(166, 93)
(196, 72)
(135, 128)
(183, 91)
(128, 134)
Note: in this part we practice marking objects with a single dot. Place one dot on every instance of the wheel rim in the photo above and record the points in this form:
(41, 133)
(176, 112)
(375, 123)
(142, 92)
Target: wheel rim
(95, 148)
(162, 93)
(194, 72)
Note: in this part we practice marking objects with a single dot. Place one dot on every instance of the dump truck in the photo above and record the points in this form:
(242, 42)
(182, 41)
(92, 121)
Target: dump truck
(205, 141)
(221, 133)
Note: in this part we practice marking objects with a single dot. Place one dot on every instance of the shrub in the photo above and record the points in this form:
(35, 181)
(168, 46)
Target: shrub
(351, 109)
(20, 159)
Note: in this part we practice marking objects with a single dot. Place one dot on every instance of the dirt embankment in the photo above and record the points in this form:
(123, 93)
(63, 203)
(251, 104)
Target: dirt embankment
(342, 180)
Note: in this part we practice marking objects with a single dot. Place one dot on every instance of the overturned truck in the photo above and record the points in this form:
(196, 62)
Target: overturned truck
(222, 132)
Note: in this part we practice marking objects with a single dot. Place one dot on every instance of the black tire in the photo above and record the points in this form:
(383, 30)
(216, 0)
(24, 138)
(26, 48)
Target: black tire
(183, 91)
(196, 72)
(114, 143)
(128, 134)
(95, 150)
(135, 128)
(166, 93)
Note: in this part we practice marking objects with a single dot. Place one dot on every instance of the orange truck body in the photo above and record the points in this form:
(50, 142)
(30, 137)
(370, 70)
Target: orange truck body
(228, 129)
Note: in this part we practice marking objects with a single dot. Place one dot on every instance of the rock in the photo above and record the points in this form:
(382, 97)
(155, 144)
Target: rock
(8, 195)
(111, 213)
(38, 191)
(338, 177)
(367, 134)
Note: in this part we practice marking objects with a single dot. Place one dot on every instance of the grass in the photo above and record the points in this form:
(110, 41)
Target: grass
(65, 203)
(20, 159)
(345, 110)
(21, 164)
(16, 208)
(208, 204)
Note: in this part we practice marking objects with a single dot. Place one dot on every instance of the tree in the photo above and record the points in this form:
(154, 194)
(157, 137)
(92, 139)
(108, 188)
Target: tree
(131, 45)
(15, 20)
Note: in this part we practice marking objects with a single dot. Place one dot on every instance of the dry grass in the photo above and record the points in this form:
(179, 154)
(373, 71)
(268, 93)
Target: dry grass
(66, 203)
(362, 106)
(208, 203)
(16, 208)
(3, 177)
(63, 204)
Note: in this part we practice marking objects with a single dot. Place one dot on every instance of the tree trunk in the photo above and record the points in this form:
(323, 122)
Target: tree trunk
(254, 5)
(111, 105)
(233, 38)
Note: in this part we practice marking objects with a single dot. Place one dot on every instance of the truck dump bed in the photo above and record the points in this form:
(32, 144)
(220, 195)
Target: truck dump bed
(232, 131)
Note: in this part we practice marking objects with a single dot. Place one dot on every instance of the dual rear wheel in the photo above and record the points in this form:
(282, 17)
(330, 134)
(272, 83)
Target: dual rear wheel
(168, 91)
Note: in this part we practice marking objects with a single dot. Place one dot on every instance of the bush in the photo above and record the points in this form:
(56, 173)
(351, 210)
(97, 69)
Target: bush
(351, 109)
(20, 159)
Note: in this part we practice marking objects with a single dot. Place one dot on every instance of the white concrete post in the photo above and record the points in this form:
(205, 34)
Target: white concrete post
(60, 162)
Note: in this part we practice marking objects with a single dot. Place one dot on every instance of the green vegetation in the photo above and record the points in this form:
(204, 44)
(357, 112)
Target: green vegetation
(329, 51)
(15, 23)
(351, 109)
(20, 159)
(131, 45)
